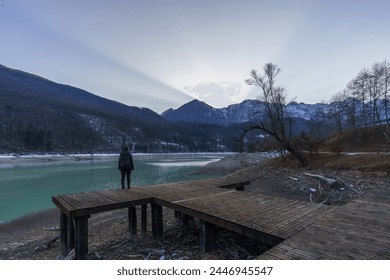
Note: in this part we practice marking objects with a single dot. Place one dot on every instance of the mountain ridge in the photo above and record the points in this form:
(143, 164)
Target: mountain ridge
(249, 110)
(41, 115)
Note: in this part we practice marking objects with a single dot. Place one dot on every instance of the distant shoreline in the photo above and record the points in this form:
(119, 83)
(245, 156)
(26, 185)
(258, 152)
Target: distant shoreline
(10, 158)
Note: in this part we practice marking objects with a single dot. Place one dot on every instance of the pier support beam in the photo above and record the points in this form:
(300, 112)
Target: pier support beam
(157, 222)
(207, 237)
(144, 220)
(64, 234)
(186, 220)
(67, 234)
(71, 233)
(81, 237)
(132, 220)
(179, 215)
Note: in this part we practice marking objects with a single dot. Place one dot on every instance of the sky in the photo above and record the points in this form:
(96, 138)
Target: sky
(161, 54)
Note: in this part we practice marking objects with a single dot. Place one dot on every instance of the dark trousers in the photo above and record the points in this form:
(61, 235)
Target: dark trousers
(125, 172)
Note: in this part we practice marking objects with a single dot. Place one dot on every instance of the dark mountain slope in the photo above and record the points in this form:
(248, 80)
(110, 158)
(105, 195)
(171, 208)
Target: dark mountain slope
(38, 89)
(38, 115)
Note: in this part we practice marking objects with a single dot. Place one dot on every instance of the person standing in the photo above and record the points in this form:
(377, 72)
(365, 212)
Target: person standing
(125, 165)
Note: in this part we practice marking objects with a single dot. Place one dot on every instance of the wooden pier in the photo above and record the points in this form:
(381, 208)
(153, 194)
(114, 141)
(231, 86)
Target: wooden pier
(296, 229)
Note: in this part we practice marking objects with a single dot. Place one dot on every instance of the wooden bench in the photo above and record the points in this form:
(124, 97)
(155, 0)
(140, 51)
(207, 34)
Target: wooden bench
(77, 208)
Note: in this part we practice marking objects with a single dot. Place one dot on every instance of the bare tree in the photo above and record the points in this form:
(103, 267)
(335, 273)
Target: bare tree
(365, 99)
(319, 126)
(376, 90)
(340, 105)
(362, 83)
(277, 123)
(386, 66)
(352, 110)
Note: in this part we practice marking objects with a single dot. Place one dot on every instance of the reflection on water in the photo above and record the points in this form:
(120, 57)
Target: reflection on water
(27, 188)
(181, 163)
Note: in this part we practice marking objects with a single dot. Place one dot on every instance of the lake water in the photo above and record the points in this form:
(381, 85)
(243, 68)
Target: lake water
(26, 188)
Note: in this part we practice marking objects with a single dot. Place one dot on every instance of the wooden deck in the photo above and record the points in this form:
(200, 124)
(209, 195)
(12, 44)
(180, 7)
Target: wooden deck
(296, 229)
(77, 208)
(357, 230)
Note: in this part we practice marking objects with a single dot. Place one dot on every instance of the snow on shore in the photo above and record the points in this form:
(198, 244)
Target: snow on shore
(4, 158)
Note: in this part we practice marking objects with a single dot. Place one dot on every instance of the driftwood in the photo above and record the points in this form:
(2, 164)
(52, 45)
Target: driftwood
(51, 241)
(329, 181)
(56, 228)
(97, 255)
(317, 194)
(350, 187)
(333, 182)
(322, 202)
(71, 255)
(48, 243)
(292, 178)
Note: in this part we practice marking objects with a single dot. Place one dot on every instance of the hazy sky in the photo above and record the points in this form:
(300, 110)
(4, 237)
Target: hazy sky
(163, 53)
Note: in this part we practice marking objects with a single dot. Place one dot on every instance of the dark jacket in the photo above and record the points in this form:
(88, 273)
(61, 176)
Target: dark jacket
(125, 161)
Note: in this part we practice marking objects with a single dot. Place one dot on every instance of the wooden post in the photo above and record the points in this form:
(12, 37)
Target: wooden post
(132, 220)
(81, 237)
(70, 234)
(157, 222)
(64, 234)
(144, 220)
(179, 215)
(207, 237)
(186, 220)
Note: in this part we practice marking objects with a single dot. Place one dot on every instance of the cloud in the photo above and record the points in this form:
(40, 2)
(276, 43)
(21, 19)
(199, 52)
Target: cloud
(217, 94)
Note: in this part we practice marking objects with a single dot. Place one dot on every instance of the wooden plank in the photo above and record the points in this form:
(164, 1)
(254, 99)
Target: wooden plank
(298, 225)
(299, 252)
(108, 207)
(269, 256)
(62, 204)
(291, 217)
(263, 237)
(82, 201)
(374, 223)
(265, 211)
(278, 216)
(340, 244)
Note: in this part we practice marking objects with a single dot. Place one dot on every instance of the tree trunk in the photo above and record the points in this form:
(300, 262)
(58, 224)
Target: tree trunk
(297, 155)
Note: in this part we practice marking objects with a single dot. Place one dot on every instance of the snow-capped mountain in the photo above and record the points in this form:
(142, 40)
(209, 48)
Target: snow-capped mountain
(247, 111)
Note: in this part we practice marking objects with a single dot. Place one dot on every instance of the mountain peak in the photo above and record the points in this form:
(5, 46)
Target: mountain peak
(196, 102)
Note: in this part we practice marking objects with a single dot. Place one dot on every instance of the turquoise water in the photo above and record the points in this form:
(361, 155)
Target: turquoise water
(28, 188)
